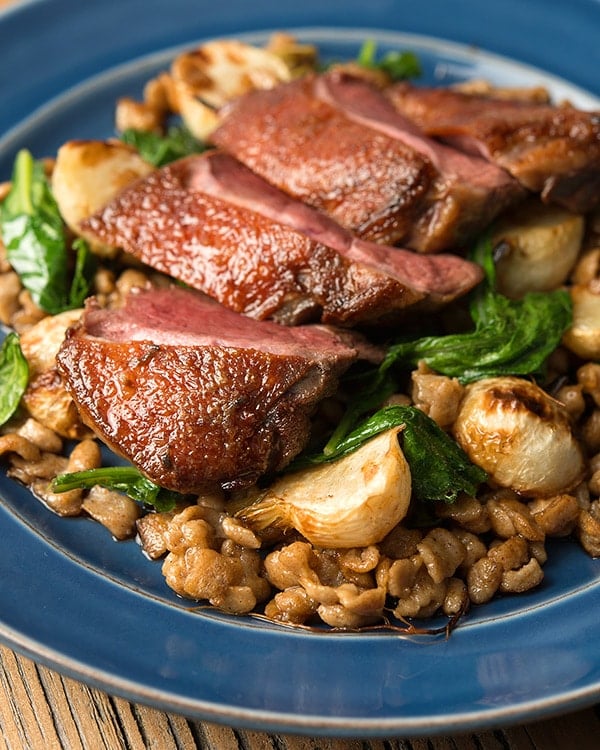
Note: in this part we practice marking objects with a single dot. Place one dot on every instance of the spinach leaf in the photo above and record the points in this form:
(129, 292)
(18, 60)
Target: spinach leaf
(33, 233)
(14, 375)
(398, 65)
(126, 479)
(440, 469)
(510, 337)
(159, 149)
(85, 267)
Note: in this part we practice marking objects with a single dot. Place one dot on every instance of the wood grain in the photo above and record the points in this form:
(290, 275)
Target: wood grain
(42, 710)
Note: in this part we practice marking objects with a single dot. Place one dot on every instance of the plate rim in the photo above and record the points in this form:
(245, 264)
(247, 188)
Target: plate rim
(278, 721)
(348, 35)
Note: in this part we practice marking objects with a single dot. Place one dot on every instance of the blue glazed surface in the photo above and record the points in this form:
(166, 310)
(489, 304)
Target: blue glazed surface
(72, 598)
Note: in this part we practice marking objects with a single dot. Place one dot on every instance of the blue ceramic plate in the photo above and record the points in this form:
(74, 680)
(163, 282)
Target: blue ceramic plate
(97, 610)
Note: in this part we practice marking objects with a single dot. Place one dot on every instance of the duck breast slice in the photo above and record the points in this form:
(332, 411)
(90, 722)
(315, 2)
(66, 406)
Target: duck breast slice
(212, 223)
(337, 144)
(195, 395)
(551, 150)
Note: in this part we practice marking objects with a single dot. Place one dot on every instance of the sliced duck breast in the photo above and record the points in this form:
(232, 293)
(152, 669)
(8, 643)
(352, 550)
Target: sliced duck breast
(337, 143)
(551, 150)
(212, 223)
(195, 395)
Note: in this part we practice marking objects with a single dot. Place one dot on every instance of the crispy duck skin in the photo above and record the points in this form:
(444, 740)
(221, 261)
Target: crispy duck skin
(363, 179)
(195, 395)
(551, 150)
(468, 192)
(336, 143)
(210, 222)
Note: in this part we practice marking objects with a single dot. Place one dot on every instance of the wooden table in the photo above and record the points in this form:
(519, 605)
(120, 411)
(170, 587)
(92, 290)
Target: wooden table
(42, 710)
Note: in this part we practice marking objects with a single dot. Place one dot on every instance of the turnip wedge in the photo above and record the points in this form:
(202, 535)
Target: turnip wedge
(352, 502)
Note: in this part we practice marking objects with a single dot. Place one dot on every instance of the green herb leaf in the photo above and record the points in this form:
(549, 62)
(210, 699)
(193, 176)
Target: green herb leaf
(398, 65)
(511, 337)
(440, 469)
(33, 233)
(126, 479)
(161, 149)
(85, 267)
(14, 375)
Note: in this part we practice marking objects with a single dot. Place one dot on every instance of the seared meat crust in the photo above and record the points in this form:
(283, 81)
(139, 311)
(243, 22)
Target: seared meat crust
(337, 144)
(195, 395)
(210, 222)
(551, 150)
